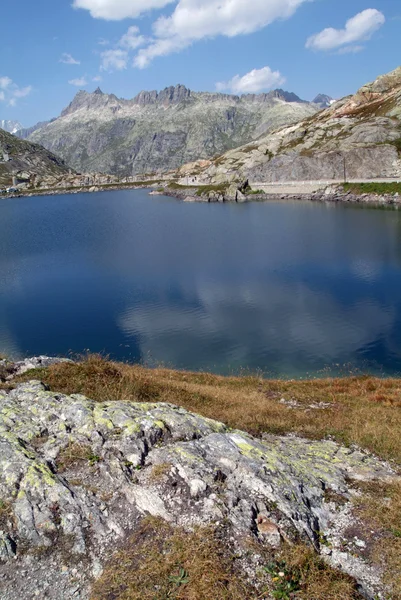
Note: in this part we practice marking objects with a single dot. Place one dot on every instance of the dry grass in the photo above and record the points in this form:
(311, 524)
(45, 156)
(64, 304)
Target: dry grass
(160, 471)
(363, 410)
(161, 563)
(380, 506)
(74, 454)
(6, 514)
(316, 581)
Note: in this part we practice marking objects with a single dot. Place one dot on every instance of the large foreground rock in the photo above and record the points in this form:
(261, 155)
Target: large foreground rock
(76, 478)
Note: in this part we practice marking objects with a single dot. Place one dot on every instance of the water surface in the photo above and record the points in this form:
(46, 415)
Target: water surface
(290, 288)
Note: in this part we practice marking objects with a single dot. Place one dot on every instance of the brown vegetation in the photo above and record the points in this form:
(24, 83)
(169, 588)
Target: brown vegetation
(160, 562)
(361, 410)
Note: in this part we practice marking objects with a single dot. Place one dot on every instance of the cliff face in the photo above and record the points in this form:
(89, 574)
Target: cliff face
(26, 158)
(159, 131)
(361, 133)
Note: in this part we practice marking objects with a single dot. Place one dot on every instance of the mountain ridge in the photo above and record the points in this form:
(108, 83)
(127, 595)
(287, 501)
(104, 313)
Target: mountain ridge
(159, 131)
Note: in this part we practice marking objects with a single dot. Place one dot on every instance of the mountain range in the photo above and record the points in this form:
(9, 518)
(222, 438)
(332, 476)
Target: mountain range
(160, 131)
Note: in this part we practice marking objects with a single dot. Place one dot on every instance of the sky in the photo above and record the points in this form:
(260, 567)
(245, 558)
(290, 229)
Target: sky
(53, 48)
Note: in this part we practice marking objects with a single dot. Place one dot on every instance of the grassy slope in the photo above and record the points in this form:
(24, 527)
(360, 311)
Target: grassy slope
(373, 188)
(363, 410)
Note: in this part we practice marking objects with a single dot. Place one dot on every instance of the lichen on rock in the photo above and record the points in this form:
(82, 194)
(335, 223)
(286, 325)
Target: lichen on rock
(79, 476)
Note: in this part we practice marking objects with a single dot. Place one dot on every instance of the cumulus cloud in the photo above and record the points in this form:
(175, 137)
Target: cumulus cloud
(10, 92)
(67, 59)
(114, 60)
(360, 27)
(5, 82)
(116, 10)
(132, 39)
(22, 92)
(79, 82)
(192, 20)
(255, 81)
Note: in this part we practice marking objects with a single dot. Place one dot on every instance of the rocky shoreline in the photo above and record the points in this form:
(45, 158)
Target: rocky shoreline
(190, 194)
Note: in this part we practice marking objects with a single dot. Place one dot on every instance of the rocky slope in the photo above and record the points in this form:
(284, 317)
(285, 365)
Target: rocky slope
(359, 135)
(26, 160)
(161, 131)
(77, 478)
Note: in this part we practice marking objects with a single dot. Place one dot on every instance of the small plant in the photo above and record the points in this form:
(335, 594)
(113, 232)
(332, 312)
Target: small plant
(93, 459)
(180, 579)
(286, 581)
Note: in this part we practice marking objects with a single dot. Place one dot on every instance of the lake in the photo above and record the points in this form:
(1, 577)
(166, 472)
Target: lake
(294, 289)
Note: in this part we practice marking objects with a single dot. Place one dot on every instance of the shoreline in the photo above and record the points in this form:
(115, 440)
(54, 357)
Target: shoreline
(333, 197)
(190, 195)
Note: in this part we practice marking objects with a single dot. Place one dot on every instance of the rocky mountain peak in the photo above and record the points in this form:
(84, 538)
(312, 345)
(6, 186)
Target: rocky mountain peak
(323, 100)
(10, 126)
(286, 96)
(174, 95)
(88, 100)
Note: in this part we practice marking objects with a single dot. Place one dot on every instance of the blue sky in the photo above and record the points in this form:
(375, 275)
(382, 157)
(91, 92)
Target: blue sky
(51, 49)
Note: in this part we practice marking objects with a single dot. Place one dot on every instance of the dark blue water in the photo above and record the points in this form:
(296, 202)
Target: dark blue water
(292, 289)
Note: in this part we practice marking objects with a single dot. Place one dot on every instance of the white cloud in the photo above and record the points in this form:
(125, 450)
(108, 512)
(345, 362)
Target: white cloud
(22, 92)
(97, 78)
(11, 92)
(192, 20)
(350, 49)
(114, 60)
(360, 27)
(132, 39)
(79, 82)
(67, 59)
(5, 82)
(253, 82)
(116, 10)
